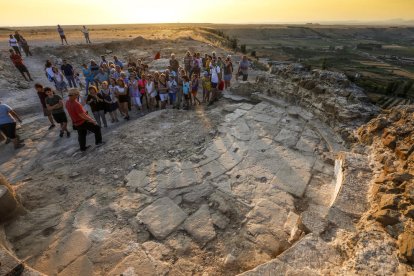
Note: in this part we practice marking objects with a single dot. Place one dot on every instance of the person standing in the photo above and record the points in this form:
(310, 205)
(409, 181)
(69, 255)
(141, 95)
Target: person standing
(54, 104)
(103, 61)
(188, 63)
(14, 44)
(89, 78)
(215, 79)
(62, 34)
(69, 73)
(118, 62)
(18, 62)
(121, 91)
(25, 46)
(82, 122)
(42, 97)
(97, 103)
(228, 71)
(19, 39)
(60, 83)
(174, 64)
(85, 32)
(8, 119)
(244, 68)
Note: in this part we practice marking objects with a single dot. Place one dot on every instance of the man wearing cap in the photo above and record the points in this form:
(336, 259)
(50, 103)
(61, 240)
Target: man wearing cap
(18, 62)
(81, 121)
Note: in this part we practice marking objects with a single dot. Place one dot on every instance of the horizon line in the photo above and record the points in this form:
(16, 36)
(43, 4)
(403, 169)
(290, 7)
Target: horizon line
(389, 22)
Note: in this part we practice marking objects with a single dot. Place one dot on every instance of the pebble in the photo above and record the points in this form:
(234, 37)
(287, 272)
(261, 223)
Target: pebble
(102, 170)
(115, 176)
(230, 259)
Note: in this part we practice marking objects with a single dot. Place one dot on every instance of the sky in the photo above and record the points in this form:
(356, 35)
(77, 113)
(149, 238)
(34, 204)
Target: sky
(80, 12)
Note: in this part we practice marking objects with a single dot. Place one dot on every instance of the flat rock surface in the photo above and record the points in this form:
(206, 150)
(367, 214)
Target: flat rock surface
(162, 217)
(200, 225)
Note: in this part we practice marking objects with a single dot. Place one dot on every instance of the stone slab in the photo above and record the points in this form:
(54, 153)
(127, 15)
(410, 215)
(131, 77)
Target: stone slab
(162, 217)
(200, 226)
(292, 180)
(136, 179)
(353, 178)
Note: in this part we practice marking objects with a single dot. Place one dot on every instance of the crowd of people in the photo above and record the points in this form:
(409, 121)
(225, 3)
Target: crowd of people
(117, 88)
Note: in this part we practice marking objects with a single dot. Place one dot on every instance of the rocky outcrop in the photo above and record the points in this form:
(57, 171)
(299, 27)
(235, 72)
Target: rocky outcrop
(8, 201)
(390, 137)
(330, 96)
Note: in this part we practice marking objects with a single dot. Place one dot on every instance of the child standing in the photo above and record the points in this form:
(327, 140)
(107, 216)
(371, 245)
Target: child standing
(194, 89)
(172, 89)
(186, 92)
(206, 87)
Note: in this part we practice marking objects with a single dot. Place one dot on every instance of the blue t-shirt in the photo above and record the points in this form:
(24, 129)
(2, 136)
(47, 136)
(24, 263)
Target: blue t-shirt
(5, 117)
(186, 88)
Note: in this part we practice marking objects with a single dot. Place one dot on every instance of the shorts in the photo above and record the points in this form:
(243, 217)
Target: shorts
(9, 130)
(22, 68)
(187, 96)
(164, 97)
(60, 117)
(214, 85)
(46, 112)
(136, 101)
(227, 77)
(194, 92)
(123, 98)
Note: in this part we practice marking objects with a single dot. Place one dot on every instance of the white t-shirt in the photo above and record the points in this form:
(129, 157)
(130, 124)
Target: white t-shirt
(214, 71)
(13, 42)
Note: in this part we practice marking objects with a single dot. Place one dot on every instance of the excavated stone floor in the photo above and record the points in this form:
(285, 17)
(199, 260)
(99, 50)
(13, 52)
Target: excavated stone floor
(207, 192)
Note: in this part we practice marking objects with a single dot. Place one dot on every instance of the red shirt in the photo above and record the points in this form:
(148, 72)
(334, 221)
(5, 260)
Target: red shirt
(74, 108)
(16, 59)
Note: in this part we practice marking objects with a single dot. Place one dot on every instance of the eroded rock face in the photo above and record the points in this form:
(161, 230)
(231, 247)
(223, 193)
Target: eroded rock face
(8, 201)
(391, 136)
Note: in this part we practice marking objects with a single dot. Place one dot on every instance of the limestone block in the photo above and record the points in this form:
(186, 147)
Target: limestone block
(200, 226)
(353, 177)
(136, 179)
(162, 217)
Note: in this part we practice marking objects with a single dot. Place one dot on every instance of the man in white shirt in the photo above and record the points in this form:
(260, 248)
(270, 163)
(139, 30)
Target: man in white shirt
(215, 79)
(14, 44)
(85, 32)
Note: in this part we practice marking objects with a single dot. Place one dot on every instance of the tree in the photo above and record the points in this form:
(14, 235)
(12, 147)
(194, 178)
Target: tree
(243, 48)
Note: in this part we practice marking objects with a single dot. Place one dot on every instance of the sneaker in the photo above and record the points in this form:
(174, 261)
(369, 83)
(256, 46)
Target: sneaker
(51, 126)
(61, 133)
(67, 134)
